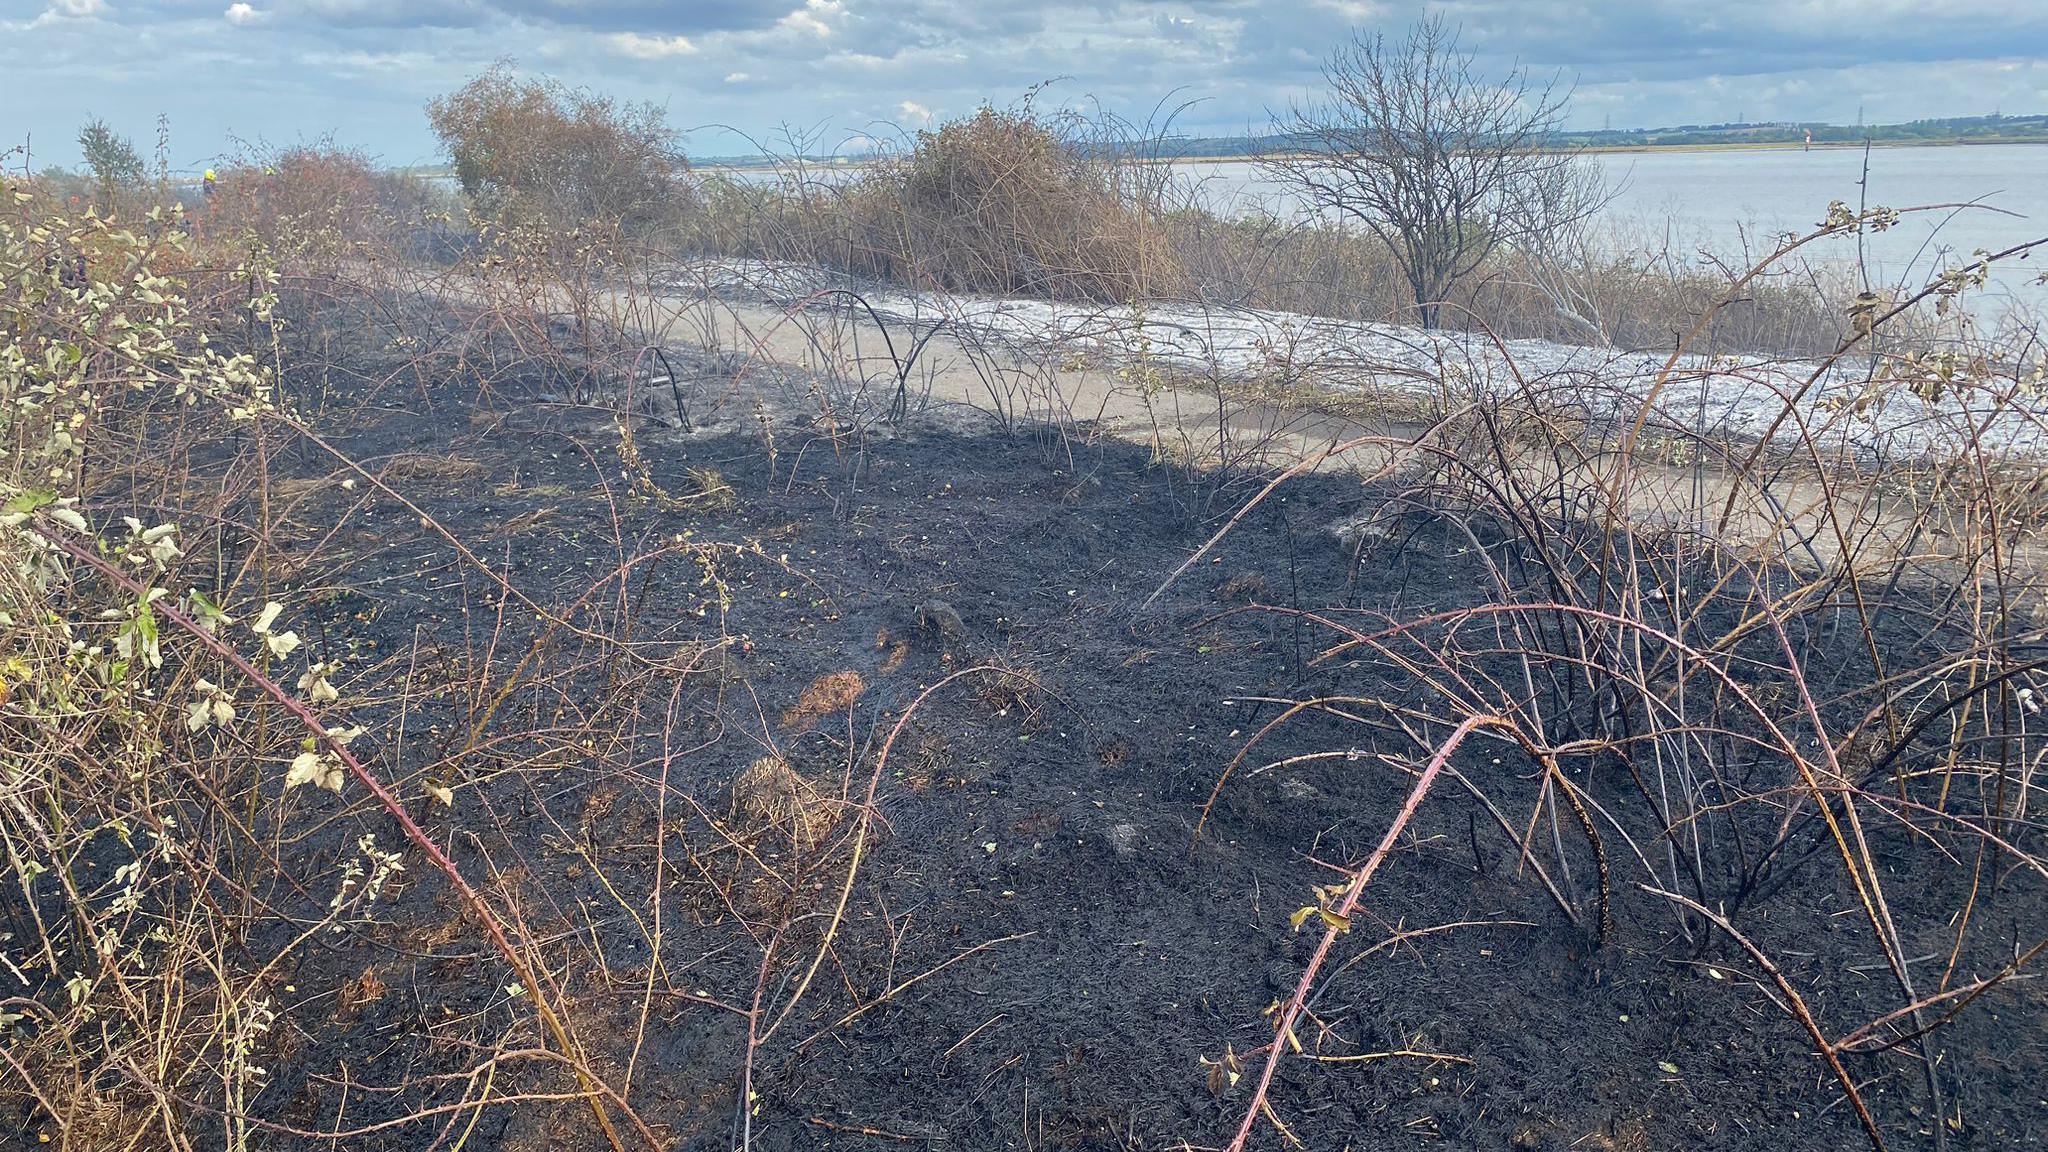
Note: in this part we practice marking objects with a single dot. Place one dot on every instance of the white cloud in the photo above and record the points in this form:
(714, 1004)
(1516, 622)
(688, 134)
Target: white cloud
(812, 16)
(651, 47)
(242, 15)
(62, 10)
(359, 62)
(1356, 11)
(736, 77)
(912, 110)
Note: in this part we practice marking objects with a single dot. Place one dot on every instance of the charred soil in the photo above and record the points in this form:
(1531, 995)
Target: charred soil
(1037, 950)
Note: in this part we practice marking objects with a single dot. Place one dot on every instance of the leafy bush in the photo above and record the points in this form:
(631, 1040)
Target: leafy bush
(161, 717)
(118, 730)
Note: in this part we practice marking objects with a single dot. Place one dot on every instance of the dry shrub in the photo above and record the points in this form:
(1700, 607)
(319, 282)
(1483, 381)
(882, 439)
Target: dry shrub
(313, 206)
(771, 794)
(169, 751)
(117, 748)
(538, 151)
(1608, 290)
(1797, 674)
(1004, 202)
(792, 218)
(831, 693)
(63, 200)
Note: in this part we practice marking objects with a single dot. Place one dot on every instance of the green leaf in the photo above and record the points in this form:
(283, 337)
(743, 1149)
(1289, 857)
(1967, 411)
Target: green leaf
(31, 500)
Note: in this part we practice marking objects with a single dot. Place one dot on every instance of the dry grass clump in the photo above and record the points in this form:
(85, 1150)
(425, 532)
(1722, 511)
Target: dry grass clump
(894, 650)
(1007, 686)
(1586, 290)
(450, 469)
(770, 794)
(708, 489)
(828, 695)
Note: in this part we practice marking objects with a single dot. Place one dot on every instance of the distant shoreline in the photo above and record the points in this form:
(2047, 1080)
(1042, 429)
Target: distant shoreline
(1633, 149)
(768, 164)
(1816, 146)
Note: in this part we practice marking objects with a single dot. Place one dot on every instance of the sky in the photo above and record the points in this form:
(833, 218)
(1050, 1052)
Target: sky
(741, 76)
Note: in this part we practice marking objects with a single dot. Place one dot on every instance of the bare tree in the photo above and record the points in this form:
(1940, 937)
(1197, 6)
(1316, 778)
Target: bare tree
(1443, 165)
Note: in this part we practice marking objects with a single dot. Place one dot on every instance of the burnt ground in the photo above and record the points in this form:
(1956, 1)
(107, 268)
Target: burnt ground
(1056, 821)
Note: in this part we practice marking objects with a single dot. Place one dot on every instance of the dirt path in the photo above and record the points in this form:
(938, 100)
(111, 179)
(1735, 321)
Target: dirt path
(859, 367)
(858, 362)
